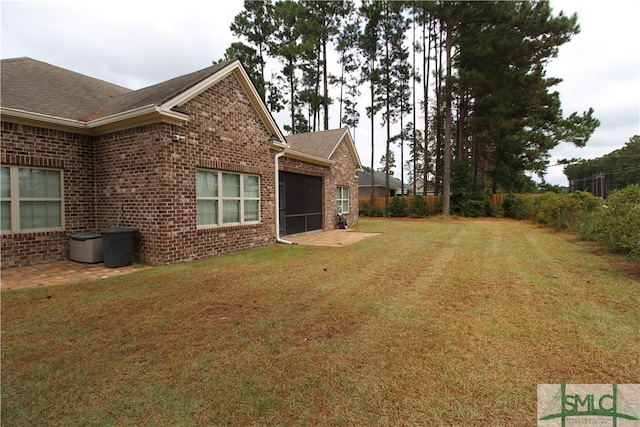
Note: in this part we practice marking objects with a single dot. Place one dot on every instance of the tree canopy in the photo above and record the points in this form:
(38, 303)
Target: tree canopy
(613, 171)
(488, 105)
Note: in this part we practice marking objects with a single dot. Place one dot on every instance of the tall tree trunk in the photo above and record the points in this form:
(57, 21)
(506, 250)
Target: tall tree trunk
(413, 63)
(388, 113)
(372, 136)
(316, 107)
(460, 139)
(426, 68)
(474, 161)
(292, 99)
(438, 168)
(446, 190)
(325, 97)
(341, 94)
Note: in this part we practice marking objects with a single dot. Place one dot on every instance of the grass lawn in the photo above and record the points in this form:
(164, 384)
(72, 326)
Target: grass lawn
(433, 322)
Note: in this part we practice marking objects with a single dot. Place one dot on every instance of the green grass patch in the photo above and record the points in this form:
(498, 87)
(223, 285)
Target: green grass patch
(434, 322)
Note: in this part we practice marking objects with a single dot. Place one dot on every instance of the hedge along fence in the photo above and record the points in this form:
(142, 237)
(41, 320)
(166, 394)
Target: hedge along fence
(498, 199)
(434, 202)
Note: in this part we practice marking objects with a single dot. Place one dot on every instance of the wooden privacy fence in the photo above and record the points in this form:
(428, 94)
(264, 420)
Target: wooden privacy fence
(433, 202)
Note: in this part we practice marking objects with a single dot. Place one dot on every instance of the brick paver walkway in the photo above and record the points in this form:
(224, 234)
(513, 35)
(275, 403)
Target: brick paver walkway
(60, 272)
(57, 273)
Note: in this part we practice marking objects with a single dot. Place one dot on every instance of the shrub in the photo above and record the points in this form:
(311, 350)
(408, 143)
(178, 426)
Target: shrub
(518, 207)
(397, 207)
(565, 211)
(477, 205)
(418, 207)
(617, 224)
(375, 211)
(473, 208)
(508, 206)
(498, 211)
(363, 209)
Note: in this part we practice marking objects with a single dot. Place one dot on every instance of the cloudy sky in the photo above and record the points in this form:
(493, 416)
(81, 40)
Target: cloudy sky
(139, 43)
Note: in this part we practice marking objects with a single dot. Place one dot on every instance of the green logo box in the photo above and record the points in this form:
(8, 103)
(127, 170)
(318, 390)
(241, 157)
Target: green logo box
(564, 405)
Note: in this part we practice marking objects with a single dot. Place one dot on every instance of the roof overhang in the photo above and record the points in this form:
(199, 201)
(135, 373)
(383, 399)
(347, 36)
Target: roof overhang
(236, 69)
(154, 113)
(352, 149)
(138, 117)
(299, 155)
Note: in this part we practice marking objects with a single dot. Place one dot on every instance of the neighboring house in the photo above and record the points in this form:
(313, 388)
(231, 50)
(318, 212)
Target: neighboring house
(419, 183)
(379, 183)
(420, 188)
(190, 163)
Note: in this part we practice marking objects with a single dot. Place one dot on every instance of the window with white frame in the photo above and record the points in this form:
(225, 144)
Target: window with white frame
(226, 198)
(31, 199)
(342, 199)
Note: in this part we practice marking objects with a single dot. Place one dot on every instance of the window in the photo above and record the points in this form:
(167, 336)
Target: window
(342, 199)
(5, 200)
(225, 198)
(31, 199)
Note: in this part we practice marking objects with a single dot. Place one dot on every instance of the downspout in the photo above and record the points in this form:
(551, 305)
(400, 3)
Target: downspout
(277, 203)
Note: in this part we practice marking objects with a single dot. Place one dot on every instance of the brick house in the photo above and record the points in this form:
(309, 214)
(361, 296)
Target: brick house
(319, 169)
(190, 163)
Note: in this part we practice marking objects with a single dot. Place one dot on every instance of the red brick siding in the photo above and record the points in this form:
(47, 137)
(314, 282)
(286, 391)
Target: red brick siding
(141, 178)
(153, 178)
(343, 174)
(45, 148)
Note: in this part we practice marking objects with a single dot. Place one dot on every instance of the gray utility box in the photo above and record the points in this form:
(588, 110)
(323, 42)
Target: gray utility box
(86, 247)
(118, 246)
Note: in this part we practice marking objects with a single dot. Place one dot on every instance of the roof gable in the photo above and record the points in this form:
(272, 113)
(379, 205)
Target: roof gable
(159, 93)
(323, 144)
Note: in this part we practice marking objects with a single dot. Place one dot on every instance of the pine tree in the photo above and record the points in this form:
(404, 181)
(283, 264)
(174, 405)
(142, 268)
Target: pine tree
(254, 24)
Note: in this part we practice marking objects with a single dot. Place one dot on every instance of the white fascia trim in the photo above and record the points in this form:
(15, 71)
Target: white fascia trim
(120, 120)
(335, 147)
(198, 88)
(238, 71)
(299, 155)
(172, 116)
(351, 146)
(27, 115)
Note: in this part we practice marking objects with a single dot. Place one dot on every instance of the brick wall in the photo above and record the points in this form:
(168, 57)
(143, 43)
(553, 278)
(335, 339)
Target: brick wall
(149, 181)
(141, 178)
(45, 148)
(343, 174)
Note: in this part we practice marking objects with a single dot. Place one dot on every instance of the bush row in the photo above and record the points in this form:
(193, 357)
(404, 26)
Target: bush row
(398, 207)
(614, 222)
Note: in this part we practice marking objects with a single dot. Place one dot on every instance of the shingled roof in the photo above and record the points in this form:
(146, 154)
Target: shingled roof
(322, 144)
(319, 144)
(379, 180)
(159, 93)
(41, 94)
(37, 87)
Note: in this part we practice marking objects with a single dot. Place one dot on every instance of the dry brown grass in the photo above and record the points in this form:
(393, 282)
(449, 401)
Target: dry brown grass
(434, 322)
